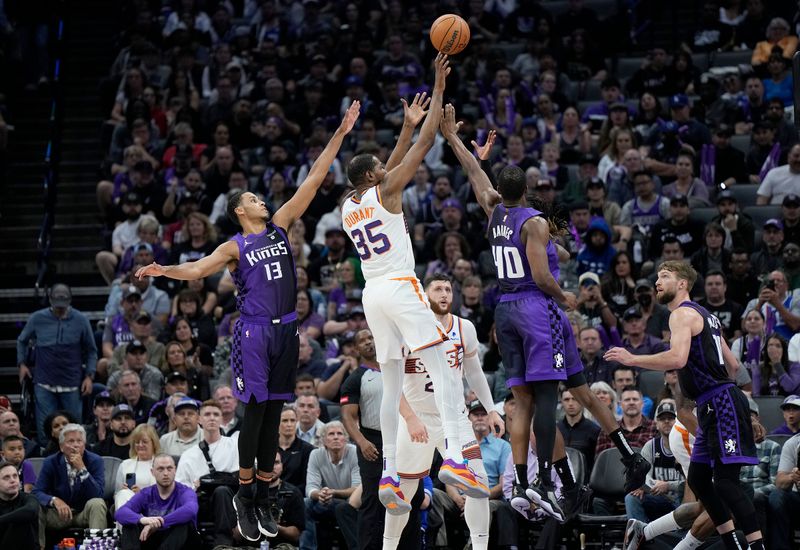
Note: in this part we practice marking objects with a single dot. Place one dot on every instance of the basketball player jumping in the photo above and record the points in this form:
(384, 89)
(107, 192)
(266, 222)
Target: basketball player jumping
(265, 345)
(537, 356)
(396, 309)
(724, 439)
(420, 430)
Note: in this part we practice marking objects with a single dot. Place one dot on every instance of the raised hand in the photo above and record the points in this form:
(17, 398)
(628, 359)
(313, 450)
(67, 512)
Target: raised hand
(620, 355)
(350, 116)
(448, 124)
(152, 270)
(414, 113)
(442, 66)
(483, 151)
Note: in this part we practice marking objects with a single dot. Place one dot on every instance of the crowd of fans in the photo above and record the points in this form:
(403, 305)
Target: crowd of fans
(207, 98)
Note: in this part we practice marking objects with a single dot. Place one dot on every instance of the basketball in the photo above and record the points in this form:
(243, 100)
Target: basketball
(450, 34)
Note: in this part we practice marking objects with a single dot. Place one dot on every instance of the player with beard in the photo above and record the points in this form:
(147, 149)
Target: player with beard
(420, 430)
(536, 355)
(724, 439)
(265, 345)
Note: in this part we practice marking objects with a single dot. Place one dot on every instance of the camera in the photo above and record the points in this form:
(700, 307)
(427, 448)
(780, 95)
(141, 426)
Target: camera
(770, 285)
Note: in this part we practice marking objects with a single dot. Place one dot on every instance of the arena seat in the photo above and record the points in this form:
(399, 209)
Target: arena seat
(651, 382)
(730, 59)
(745, 194)
(607, 478)
(769, 411)
(779, 439)
(626, 66)
(704, 214)
(578, 462)
(741, 142)
(760, 214)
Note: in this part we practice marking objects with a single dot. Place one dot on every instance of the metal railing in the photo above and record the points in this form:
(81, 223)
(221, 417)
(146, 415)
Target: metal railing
(52, 154)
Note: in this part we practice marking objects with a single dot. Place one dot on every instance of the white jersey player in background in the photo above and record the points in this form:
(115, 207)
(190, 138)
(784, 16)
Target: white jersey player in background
(420, 431)
(394, 305)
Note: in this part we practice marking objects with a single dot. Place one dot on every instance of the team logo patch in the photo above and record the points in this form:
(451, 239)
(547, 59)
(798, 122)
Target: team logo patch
(558, 361)
(730, 446)
(240, 383)
(247, 333)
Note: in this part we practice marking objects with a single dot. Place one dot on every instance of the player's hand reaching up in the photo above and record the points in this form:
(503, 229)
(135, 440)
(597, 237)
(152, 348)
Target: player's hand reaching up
(414, 113)
(152, 270)
(497, 424)
(442, 66)
(350, 117)
(448, 125)
(483, 151)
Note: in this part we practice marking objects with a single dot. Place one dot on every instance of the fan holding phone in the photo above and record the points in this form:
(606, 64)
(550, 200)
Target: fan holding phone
(135, 473)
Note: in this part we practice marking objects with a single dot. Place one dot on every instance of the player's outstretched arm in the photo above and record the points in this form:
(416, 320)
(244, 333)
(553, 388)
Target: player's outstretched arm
(396, 180)
(680, 326)
(189, 271)
(486, 195)
(296, 206)
(412, 116)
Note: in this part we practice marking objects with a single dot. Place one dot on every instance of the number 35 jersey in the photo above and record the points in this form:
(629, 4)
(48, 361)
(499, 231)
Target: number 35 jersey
(265, 278)
(510, 257)
(380, 237)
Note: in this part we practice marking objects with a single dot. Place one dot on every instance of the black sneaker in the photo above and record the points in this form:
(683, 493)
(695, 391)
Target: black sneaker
(573, 501)
(246, 518)
(636, 468)
(520, 502)
(545, 498)
(266, 523)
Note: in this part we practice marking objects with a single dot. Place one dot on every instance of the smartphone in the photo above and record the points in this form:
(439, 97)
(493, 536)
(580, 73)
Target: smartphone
(130, 480)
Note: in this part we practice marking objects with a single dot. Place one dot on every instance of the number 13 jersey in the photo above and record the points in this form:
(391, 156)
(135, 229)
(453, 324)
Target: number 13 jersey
(510, 256)
(380, 237)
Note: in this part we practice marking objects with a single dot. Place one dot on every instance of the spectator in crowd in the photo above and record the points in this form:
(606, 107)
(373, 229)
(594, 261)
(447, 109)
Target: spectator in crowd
(647, 208)
(712, 255)
(770, 255)
(784, 501)
(142, 330)
(71, 485)
(118, 442)
(136, 360)
(162, 515)
(618, 283)
(596, 368)
(663, 487)
(716, 302)
(19, 511)
(130, 393)
(760, 479)
(592, 305)
(743, 285)
(738, 226)
(791, 416)
(13, 451)
(118, 327)
(331, 478)
(688, 231)
(222, 453)
(125, 234)
(231, 422)
(778, 36)
(776, 375)
(606, 394)
(309, 425)
(53, 425)
(286, 502)
(187, 433)
(625, 377)
(780, 306)
(579, 432)
(135, 472)
(65, 356)
(9, 426)
(790, 216)
(781, 181)
(293, 450)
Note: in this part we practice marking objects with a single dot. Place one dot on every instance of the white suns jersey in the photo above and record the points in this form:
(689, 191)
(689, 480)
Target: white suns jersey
(417, 383)
(380, 237)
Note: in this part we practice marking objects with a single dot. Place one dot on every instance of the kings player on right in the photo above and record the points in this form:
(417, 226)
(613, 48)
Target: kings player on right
(535, 336)
(724, 440)
(394, 304)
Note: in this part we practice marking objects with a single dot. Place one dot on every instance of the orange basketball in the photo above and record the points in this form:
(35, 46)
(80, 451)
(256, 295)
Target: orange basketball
(450, 34)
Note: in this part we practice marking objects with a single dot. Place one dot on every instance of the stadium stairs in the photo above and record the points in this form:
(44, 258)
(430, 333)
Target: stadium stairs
(89, 32)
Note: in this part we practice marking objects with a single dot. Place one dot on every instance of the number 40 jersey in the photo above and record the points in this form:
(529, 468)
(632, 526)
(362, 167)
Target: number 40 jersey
(380, 237)
(510, 257)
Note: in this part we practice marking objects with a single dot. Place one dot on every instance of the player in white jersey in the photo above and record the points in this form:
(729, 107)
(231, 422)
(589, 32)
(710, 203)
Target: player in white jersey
(420, 431)
(395, 307)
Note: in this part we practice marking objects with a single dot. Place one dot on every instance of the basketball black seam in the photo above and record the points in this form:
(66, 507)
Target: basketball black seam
(447, 33)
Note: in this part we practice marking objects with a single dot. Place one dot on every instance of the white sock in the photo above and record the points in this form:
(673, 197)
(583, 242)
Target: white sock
(664, 524)
(689, 542)
(392, 377)
(449, 398)
(394, 525)
(476, 512)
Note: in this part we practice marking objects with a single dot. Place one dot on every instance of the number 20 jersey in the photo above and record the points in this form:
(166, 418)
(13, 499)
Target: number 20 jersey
(380, 237)
(510, 257)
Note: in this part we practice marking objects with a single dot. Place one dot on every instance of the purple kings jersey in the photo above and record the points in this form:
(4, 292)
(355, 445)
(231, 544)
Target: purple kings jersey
(265, 277)
(508, 250)
(705, 367)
